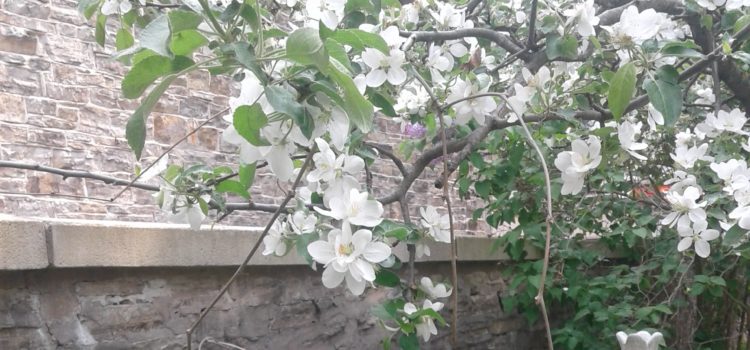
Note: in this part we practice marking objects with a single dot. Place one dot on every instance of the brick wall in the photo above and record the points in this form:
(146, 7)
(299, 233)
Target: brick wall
(61, 106)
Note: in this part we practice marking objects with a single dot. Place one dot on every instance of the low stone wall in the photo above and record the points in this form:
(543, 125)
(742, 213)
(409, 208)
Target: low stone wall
(83, 285)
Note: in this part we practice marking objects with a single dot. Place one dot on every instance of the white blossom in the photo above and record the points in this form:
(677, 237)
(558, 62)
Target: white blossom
(349, 257)
(426, 326)
(735, 174)
(687, 156)
(355, 208)
(111, 7)
(636, 27)
(626, 133)
(434, 291)
(574, 165)
(274, 242)
(684, 203)
(303, 223)
(181, 209)
(584, 14)
(732, 121)
(384, 67)
(640, 341)
(330, 12)
(474, 108)
(438, 226)
(697, 234)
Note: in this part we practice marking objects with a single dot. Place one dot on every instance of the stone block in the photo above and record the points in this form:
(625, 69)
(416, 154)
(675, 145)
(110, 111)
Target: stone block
(23, 44)
(102, 244)
(23, 244)
(12, 108)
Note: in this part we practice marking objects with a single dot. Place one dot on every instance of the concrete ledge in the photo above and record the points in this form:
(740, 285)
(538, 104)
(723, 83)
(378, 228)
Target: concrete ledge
(33, 244)
(23, 245)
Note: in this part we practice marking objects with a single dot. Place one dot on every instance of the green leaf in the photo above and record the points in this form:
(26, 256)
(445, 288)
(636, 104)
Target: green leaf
(733, 236)
(565, 46)
(123, 39)
(156, 35)
(135, 130)
(408, 342)
(360, 39)
(144, 74)
(185, 42)
(246, 56)
(359, 110)
(337, 52)
(382, 102)
(681, 49)
(233, 186)
(621, 89)
(400, 233)
(101, 30)
(248, 120)
(247, 174)
(305, 47)
(387, 278)
(741, 23)
(88, 7)
(284, 102)
(302, 242)
(665, 94)
(180, 20)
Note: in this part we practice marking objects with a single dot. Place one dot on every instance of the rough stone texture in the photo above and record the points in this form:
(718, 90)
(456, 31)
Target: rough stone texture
(61, 105)
(23, 245)
(268, 308)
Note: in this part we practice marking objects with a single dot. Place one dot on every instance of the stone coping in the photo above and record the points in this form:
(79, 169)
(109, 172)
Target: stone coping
(28, 244)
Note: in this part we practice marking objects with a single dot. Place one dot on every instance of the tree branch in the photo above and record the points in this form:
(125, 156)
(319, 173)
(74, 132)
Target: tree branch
(500, 39)
(236, 274)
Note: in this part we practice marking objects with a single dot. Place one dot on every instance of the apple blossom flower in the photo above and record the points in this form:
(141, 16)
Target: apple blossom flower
(330, 12)
(426, 326)
(434, 291)
(438, 60)
(742, 215)
(355, 208)
(412, 99)
(421, 249)
(274, 242)
(539, 80)
(687, 156)
(448, 16)
(684, 203)
(626, 132)
(349, 257)
(111, 7)
(698, 234)
(734, 173)
(475, 108)
(636, 27)
(732, 121)
(179, 208)
(438, 227)
(584, 14)
(384, 67)
(303, 223)
(574, 165)
(654, 117)
(640, 341)
(710, 5)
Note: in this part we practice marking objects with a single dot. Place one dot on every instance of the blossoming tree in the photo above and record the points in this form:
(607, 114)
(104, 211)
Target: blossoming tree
(639, 105)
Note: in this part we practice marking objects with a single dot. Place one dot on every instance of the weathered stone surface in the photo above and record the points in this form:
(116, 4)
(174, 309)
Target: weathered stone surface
(23, 246)
(267, 308)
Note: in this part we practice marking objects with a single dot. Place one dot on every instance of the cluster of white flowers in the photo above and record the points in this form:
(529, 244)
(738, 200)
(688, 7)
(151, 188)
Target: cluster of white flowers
(425, 324)
(437, 228)
(574, 165)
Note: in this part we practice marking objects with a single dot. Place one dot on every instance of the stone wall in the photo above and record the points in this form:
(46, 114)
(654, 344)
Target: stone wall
(82, 285)
(267, 308)
(61, 106)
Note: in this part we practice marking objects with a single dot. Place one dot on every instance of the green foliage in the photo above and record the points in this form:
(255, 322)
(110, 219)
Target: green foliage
(621, 89)
(665, 93)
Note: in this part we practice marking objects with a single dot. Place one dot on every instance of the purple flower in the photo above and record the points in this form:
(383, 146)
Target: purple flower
(415, 130)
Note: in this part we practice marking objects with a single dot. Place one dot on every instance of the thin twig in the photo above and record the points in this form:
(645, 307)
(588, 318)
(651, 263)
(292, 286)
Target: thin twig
(66, 173)
(532, 25)
(208, 120)
(447, 198)
(53, 194)
(411, 248)
(236, 274)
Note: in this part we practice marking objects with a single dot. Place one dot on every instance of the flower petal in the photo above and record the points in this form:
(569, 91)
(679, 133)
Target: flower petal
(378, 251)
(332, 278)
(321, 251)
